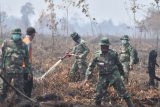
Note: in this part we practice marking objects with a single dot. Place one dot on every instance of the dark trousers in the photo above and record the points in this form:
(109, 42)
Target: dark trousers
(151, 72)
(152, 76)
(28, 85)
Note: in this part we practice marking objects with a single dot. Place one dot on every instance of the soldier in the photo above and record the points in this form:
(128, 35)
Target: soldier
(80, 52)
(110, 71)
(28, 77)
(151, 67)
(126, 57)
(14, 54)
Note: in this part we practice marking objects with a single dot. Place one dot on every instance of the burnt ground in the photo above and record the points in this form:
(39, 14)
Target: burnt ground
(56, 91)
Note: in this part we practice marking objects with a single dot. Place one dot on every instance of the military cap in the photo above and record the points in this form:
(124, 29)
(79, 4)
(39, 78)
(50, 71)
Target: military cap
(75, 36)
(104, 41)
(125, 37)
(16, 31)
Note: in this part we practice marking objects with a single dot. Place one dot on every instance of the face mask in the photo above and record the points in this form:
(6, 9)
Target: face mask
(78, 40)
(124, 42)
(16, 37)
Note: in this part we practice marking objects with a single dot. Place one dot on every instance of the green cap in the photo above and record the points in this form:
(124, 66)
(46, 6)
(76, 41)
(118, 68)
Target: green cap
(104, 41)
(125, 37)
(16, 31)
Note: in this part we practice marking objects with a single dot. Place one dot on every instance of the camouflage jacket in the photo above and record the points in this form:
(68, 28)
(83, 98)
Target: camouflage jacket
(127, 54)
(81, 49)
(108, 65)
(14, 54)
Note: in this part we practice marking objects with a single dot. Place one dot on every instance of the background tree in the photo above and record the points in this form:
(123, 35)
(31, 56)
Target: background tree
(3, 18)
(27, 10)
(80, 4)
(51, 19)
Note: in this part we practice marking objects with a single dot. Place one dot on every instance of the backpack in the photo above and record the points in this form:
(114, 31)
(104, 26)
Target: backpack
(13, 55)
(135, 56)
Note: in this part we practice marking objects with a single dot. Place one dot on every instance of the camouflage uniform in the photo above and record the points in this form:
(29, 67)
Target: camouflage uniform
(14, 54)
(79, 67)
(110, 71)
(126, 56)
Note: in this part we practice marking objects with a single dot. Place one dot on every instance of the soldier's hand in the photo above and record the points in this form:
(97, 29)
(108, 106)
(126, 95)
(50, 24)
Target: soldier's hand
(130, 67)
(80, 56)
(122, 77)
(30, 76)
(67, 54)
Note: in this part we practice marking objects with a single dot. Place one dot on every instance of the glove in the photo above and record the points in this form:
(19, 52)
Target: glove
(67, 54)
(80, 56)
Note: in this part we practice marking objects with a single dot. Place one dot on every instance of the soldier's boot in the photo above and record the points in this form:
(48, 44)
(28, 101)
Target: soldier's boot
(129, 102)
(98, 103)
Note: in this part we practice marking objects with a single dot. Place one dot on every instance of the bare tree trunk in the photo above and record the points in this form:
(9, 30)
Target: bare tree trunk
(1, 25)
(52, 41)
(67, 26)
(157, 42)
(1, 30)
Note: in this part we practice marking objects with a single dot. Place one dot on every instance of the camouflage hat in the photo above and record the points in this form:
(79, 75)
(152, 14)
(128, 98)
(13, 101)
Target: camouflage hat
(104, 41)
(16, 31)
(75, 36)
(125, 37)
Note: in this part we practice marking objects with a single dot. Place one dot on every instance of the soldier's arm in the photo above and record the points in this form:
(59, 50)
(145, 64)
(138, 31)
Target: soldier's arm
(85, 53)
(28, 46)
(91, 68)
(120, 67)
(3, 54)
(72, 50)
(131, 51)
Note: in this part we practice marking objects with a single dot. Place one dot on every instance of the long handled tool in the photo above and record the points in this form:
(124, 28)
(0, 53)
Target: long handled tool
(17, 89)
(55, 65)
(52, 68)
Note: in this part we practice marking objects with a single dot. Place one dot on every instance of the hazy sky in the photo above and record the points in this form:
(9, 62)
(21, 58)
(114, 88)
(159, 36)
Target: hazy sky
(116, 10)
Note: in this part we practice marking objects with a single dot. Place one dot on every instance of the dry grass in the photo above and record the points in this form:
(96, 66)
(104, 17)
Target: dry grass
(44, 57)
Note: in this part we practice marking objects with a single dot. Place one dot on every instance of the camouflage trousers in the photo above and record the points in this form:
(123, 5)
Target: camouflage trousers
(103, 84)
(17, 83)
(1, 84)
(126, 71)
(78, 70)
